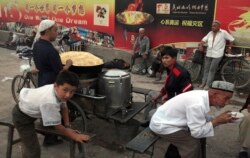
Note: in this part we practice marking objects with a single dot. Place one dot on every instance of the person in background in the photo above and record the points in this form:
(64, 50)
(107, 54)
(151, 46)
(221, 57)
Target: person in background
(199, 54)
(49, 104)
(141, 48)
(216, 42)
(30, 39)
(244, 129)
(75, 40)
(184, 119)
(12, 40)
(157, 66)
(178, 79)
(48, 62)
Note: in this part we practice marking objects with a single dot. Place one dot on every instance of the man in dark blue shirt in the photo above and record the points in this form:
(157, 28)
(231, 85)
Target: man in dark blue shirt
(46, 57)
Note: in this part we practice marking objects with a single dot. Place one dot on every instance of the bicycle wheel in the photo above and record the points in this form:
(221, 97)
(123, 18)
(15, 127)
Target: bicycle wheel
(193, 68)
(31, 81)
(236, 71)
(17, 84)
(78, 122)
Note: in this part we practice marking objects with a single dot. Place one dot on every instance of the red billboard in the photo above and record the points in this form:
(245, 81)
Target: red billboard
(89, 14)
(235, 17)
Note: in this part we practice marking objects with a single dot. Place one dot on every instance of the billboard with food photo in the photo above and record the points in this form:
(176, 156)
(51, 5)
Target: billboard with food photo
(165, 21)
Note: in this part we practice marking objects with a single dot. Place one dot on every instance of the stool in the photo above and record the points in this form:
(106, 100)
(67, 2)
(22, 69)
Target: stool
(146, 139)
(8, 123)
(142, 142)
(141, 91)
(39, 129)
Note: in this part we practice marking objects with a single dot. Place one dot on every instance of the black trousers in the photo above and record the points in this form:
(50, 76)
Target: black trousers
(26, 128)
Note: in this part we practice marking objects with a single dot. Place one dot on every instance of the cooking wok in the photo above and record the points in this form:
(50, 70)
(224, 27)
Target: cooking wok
(80, 70)
(134, 18)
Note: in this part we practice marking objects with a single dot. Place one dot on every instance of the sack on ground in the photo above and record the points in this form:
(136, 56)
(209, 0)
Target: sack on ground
(116, 63)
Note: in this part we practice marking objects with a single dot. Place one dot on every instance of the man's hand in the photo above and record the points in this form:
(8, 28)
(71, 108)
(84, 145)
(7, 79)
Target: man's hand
(155, 99)
(69, 62)
(34, 71)
(223, 118)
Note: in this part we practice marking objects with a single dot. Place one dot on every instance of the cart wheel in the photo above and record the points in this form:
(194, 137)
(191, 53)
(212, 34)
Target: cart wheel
(78, 121)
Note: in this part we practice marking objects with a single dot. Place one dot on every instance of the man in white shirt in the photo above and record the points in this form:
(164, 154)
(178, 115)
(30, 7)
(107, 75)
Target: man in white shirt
(216, 42)
(184, 119)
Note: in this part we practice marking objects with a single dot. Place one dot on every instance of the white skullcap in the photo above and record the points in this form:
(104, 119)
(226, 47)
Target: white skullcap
(45, 24)
(223, 85)
(141, 29)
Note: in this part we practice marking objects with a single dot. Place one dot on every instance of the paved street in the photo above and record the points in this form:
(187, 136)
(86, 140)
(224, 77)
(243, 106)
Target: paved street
(223, 145)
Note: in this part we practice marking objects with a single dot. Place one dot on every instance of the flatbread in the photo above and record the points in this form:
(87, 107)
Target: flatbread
(81, 58)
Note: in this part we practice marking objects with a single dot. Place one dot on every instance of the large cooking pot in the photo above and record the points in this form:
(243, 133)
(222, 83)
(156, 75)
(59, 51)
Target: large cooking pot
(116, 86)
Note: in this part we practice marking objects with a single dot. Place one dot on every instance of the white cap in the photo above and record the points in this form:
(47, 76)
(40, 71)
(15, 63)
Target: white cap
(141, 29)
(223, 85)
(45, 24)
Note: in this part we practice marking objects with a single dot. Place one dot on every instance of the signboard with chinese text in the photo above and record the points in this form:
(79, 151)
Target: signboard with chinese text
(80, 13)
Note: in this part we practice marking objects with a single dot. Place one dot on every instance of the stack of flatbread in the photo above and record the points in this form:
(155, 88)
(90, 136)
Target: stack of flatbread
(81, 58)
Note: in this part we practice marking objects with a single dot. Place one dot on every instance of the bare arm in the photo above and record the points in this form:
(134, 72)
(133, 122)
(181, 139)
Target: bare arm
(65, 115)
(69, 62)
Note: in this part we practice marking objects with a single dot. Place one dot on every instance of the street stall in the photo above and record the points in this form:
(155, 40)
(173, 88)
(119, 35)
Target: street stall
(106, 94)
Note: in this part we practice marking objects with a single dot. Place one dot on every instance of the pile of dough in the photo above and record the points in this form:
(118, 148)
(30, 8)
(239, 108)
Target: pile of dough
(81, 58)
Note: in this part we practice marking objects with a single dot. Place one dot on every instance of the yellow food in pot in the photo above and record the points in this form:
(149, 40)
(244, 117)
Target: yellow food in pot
(81, 58)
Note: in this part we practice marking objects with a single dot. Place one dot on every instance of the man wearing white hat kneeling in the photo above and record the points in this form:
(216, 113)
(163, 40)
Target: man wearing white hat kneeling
(184, 119)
